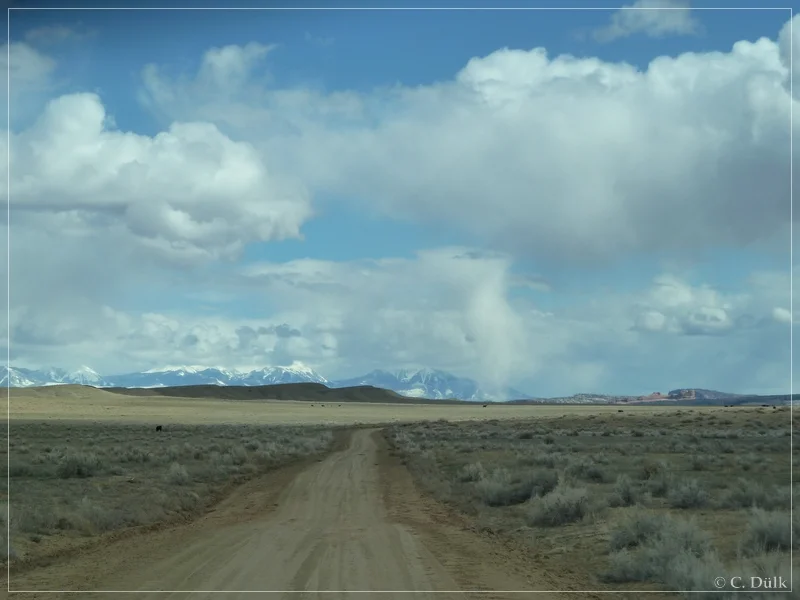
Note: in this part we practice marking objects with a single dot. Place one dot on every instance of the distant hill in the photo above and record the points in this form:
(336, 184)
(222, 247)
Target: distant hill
(310, 392)
(701, 394)
(319, 393)
(415, 386)
(732, 400)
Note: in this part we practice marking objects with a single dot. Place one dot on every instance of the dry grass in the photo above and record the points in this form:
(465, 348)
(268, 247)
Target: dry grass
(570, 483)
(77, 403)
(633, 501)
(74, 480)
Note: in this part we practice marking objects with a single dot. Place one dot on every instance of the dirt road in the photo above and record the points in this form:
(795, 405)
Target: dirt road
(335, 526)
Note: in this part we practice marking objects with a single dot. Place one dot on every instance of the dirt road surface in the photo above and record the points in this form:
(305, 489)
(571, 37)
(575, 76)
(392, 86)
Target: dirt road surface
(342, 525)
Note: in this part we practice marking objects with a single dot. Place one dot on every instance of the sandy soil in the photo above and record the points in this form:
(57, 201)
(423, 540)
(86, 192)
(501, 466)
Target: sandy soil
(348, 522)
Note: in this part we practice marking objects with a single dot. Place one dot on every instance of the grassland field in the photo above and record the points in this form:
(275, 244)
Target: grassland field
(638, 500)
(633, 498)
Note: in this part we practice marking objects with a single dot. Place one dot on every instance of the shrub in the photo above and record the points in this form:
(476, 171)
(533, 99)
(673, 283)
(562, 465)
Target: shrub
(660, 485)
(625, 492)
(656, 547)
(695, 576)
(90, 518)
(548, 460)
(136, 455)
(472, 472)
(501, 489)
(699, 463)
(644, 527)
(172, 453)
(749, 494)
(650, 469)
(543, 482)
(78, 465)
(636, 529)
(21, 469)
(688, 494)
(238, 455)
(177, 474)
(586, 470)
(768, 531)
(561, 506)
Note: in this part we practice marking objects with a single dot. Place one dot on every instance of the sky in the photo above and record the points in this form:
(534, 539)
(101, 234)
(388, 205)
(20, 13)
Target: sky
(562, 201)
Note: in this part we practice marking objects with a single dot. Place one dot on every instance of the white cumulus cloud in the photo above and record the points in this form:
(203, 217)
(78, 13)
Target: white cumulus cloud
(556, 158)
(189, 193)
(654, 18)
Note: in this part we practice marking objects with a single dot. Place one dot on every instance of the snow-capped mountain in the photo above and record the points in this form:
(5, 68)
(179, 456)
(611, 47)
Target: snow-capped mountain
(172, 376)
(297, 372)
(52, 376)
(19, 378)
(430, 383)
(84, 376)
(419, 383)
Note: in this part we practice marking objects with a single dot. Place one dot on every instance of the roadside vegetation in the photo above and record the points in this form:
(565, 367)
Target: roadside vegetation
(70, 482)
(639, 499)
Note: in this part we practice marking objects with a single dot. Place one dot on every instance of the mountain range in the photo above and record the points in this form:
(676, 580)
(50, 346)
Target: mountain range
(420, 384)
(414, 383)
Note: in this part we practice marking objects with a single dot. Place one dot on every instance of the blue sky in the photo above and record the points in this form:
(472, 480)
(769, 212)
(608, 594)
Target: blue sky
(407, 188)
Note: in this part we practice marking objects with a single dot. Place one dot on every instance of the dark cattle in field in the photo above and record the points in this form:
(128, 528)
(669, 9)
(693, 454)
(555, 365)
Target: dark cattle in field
(620, 410)
(484, 406)
(158, 428)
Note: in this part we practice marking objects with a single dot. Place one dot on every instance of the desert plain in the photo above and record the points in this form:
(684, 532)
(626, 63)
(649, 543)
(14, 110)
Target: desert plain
(403, 500)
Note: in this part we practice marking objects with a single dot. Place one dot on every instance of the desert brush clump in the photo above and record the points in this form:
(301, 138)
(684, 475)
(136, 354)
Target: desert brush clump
(503, 488)
(85, 479)
(648, 546)
(770, 530)
(177, 474)
(688, 494)
(625, 492)
(563, 505)
(78, 464)
(585, 469)
(588, 474)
